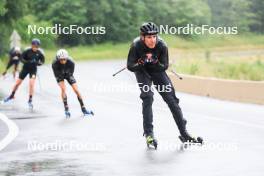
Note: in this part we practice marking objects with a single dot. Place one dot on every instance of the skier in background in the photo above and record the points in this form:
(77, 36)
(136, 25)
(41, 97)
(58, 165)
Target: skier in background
(14, 58)
(63, 69)
(31, 58)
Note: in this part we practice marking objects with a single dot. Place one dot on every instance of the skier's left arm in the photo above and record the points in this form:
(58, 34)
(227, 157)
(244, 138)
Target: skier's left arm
(24, 58)
(71, 68)
(163, 60)
(10, 55)
(41, 60)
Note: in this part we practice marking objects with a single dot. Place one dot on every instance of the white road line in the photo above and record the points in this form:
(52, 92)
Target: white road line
(12, 131)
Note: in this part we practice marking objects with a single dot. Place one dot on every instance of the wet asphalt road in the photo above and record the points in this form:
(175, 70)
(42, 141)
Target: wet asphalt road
(111, 142)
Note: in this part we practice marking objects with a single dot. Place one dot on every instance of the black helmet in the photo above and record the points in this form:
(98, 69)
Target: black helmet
(35, 41)
(149, 29)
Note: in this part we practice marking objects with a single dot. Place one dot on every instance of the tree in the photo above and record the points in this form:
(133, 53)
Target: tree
(257, 7)
(231, 13)
(10, 12)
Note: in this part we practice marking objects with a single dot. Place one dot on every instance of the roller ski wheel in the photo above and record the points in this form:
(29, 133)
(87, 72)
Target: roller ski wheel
(191, 140)
(67, 114)
(87, 113)
(152, 143)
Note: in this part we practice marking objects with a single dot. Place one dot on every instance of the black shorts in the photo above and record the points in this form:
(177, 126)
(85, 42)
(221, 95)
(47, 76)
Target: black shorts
(71, 80)
(12, 62)
(24, 72)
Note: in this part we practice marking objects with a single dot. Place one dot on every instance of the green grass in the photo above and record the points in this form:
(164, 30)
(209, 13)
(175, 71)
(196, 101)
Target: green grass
(201, 44)
(2, 66)
(251, 68)
(94, 52)
(225, 42)
(195, 56)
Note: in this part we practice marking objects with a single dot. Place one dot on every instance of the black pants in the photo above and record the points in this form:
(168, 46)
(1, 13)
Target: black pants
(12, 62)
(163, 84)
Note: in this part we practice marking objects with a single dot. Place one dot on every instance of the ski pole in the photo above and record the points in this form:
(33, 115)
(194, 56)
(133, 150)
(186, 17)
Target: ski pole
(119, 71)
(176, 74)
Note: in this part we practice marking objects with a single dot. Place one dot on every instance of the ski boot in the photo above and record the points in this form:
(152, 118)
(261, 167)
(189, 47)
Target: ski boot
(86, 113)
(151, 142)
(67, 114)
(30, 105)
(187, 138)
(4, 75)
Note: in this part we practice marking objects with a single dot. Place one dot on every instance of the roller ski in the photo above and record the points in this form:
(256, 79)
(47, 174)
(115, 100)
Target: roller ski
(6, 100)
(67, 114)
(188, 139)
(152, 143)
(86, 113)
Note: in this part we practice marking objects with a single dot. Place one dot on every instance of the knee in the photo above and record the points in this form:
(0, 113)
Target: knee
(63, 90)
(172, 100)
(18, 82)
(147, 98)
(184, 122)
(74, 87)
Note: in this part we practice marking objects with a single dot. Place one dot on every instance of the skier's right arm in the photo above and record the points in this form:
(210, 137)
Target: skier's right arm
(10, 53)
(24, 58)
(56, 71)
(133, 61)
(10, 56)
(71, 67)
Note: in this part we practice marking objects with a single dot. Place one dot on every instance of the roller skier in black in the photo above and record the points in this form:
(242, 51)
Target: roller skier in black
(14, 59)
(148, 59)
(63, 69)
(31, 59)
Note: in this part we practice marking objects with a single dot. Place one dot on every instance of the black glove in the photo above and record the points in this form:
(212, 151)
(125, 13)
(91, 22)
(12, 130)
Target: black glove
(149, 58)
(141, 62)
(68, 73)
(32, 61)
(39, 63)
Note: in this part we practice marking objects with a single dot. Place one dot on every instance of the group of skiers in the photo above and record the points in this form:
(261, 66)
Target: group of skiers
(62, 66)
(147, 58)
